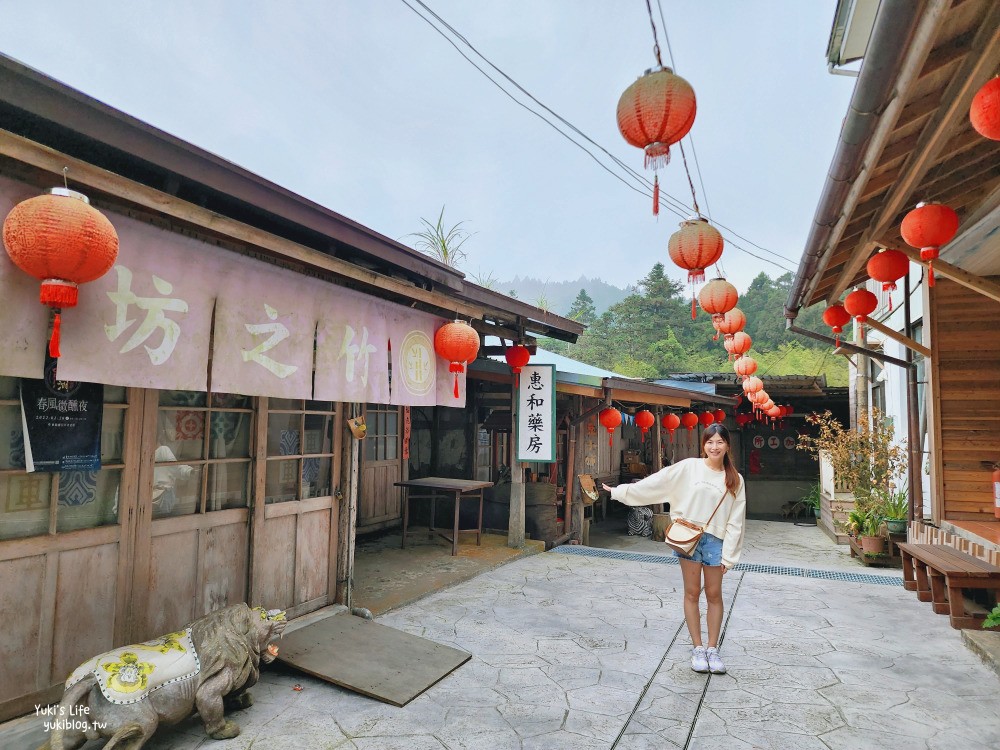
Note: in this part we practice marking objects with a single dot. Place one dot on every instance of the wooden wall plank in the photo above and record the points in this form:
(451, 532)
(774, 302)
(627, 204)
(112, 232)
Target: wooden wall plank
(224, 573)
(84, 606)
(173, 582)
(20, 584)
(274, 578)
(312, 554)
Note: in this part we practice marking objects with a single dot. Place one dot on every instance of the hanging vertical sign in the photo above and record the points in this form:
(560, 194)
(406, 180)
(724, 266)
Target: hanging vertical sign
(536, 414)
(61, 423)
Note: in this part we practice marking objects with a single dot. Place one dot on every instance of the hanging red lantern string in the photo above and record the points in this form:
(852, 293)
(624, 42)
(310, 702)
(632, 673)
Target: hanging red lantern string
(458, 343)
(670, 422)
(860, 303)
(610, 419)
(728, 344)
(836, 317)
(690, 420)
(61, 240)
(655, 112)
(717, 298)
(745, 366)
(984, 112)
(753, 384)
(694, 247)
(644, 419)
(706, 418)
(774, 412)
(720, 415)
(928, 227)
(888, 266)
(517, 356)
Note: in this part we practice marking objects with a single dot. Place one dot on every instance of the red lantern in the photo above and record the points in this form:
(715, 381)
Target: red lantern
(888, 267)
(670, 422)
(610, 418)
(741, 343)
(929, 226)
(61, 240)
(985, 110)
(860, 303)
(517, 356)
(696, 245)
(720, 415)
(706, 418)
(644, 420)
(690, 420)
(745, 367)
(717, 298)
(655, 112)
(753, 384)
(789, 411)
(731, 322)
(458, 343)
(836, 317)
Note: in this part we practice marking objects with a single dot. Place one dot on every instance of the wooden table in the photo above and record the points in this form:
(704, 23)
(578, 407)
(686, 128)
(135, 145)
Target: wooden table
(433, 488)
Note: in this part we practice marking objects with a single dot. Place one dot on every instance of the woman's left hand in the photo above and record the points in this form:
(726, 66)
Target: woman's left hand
(606, 487)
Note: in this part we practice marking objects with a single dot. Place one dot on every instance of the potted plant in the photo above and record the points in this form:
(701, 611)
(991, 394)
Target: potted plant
(895, 509)
(870, 533)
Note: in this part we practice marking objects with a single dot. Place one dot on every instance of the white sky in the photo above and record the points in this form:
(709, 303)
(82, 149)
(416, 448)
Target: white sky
(360, 106)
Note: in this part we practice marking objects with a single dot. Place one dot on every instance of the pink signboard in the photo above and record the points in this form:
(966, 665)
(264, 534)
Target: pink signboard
(352, 348)
(148, 321)
(265, 329)
(414, 365)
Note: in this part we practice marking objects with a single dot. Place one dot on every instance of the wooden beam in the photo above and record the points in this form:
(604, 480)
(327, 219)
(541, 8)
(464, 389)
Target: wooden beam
(898, 337)
(982, 60)
(970, 281)
(42, 157)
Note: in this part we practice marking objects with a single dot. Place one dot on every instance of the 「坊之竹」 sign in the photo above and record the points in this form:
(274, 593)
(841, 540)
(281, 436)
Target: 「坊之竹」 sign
(536, 414)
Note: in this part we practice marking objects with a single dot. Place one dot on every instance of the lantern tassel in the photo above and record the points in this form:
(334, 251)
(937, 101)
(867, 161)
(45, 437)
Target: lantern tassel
(890, 301)
(456, 385)
(656, 195)
(930, 274)
(54, 341)
(693, 317)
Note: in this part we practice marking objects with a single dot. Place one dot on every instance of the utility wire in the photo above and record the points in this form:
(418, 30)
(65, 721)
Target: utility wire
(671, 203)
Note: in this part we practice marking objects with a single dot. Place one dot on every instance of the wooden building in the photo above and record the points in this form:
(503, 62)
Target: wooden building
(907, 138)
(226, 473)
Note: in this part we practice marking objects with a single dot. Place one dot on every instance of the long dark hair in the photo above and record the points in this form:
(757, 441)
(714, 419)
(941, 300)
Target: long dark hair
(732, 476)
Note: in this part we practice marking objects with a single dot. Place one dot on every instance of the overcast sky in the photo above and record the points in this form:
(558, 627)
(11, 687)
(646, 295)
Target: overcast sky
(361, 106)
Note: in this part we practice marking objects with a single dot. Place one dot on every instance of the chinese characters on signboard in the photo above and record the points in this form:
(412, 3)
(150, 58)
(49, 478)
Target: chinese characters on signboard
(536, 414)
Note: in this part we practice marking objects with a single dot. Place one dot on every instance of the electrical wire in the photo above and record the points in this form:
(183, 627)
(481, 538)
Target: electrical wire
(671, 203)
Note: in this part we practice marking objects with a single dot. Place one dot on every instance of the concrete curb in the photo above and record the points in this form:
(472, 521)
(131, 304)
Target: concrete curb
(986, 645)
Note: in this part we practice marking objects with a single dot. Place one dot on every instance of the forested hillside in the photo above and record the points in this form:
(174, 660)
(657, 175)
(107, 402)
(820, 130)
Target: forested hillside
(650, 333)
(558, 296)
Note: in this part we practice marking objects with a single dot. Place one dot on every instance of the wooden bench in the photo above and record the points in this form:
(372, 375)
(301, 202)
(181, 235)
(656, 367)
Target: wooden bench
(939, 574)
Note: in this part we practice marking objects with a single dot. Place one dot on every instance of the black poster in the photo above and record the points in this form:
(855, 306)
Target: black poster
(62, 423)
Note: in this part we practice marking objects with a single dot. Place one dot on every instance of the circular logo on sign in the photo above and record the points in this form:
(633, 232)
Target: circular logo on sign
(789, 442)
(773, 442)
(758, 441)
(64, 388)
(416, 354)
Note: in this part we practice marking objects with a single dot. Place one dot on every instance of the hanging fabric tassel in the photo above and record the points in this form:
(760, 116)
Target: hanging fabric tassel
(656, 195)
(54, 341)
(693, 316)
(456, 385)
(930, 274)
(890, 301)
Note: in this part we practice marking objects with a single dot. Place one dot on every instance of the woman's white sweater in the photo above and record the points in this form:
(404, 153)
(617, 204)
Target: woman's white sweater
(693, 490)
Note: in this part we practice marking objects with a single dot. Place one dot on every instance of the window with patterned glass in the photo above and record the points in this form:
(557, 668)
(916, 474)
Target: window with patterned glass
(382, 439)
(202, 452)
(46, 503)
(299, 449)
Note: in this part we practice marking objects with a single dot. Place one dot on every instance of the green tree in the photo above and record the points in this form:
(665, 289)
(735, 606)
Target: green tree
(582, 309)
(442, 243)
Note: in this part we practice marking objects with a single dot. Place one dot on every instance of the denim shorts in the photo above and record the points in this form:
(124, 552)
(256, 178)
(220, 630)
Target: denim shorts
(708, 551)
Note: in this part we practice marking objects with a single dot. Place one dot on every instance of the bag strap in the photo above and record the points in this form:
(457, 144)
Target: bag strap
(724, 493)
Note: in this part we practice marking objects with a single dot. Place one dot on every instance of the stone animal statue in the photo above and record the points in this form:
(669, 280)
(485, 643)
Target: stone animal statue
(126, 693)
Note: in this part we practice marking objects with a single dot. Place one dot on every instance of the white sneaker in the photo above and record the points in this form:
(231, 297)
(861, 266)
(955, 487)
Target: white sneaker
(715, 664)
(699, 659)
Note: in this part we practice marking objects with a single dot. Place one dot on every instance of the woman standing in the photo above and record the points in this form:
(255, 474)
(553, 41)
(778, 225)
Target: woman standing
(694, 487)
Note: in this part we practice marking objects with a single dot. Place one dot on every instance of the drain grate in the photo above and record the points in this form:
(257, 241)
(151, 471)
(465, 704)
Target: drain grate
(831, 575)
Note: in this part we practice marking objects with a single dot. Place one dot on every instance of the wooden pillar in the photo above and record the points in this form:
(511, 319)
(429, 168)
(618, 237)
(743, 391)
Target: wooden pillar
(515, 533)
(349, 493)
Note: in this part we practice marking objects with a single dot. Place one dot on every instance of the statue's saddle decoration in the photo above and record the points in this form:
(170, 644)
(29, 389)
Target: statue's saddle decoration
(130, 673)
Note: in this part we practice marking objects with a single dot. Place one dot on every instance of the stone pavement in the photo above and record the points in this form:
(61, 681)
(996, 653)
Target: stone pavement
(573, 650)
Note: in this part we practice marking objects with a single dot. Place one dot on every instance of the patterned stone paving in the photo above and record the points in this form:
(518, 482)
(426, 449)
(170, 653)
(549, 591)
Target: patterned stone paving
(583, 652)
